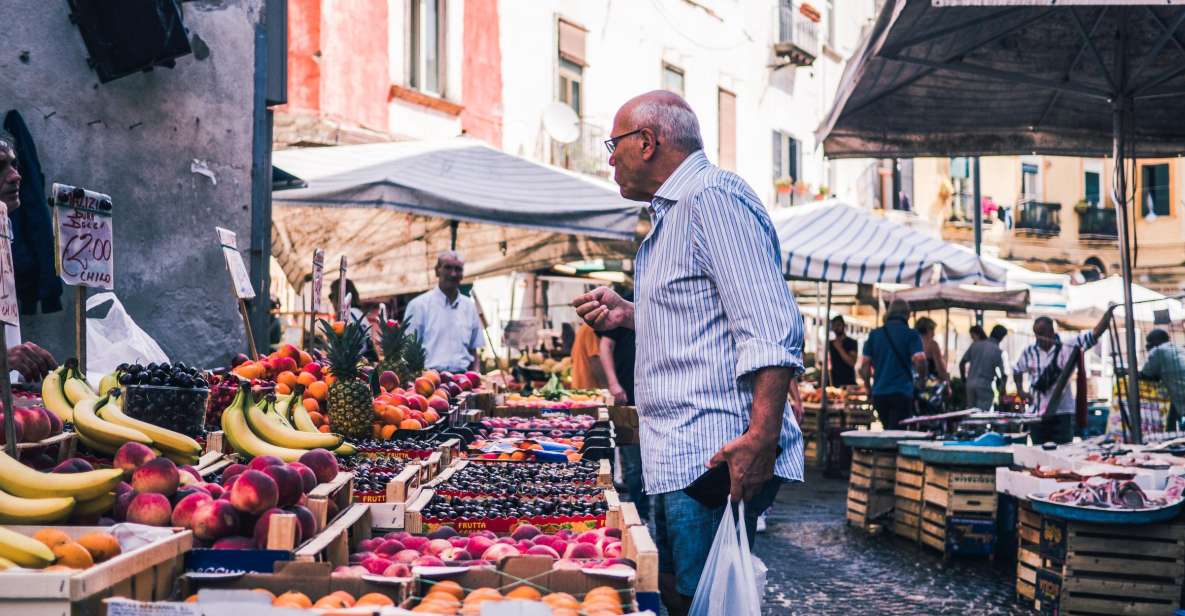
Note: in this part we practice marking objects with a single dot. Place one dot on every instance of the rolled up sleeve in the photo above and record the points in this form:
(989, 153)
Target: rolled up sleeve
(738, 249)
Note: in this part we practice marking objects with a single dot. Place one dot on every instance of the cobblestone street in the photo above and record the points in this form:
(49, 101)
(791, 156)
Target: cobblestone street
(817, 565)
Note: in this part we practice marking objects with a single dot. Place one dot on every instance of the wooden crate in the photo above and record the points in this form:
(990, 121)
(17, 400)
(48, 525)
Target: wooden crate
(1028, 554)
(339, 492)
(907, 497)
(60, 447)
(961, 490)
(147, 573)
(643, 551)
(870, 487)
(332, 545)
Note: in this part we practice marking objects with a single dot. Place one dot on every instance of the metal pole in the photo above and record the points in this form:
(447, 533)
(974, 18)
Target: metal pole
(823, 381)
(6, 396)
(1120, 110)
(978, 208)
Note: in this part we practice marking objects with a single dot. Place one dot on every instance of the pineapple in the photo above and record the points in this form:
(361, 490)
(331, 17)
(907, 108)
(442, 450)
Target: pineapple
(351, 406)
(414, 357)
(393, 341)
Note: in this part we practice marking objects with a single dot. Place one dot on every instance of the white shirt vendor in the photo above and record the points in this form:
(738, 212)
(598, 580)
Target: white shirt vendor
(449, 331)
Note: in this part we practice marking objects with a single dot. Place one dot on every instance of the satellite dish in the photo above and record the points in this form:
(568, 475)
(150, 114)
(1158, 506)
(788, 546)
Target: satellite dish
(561, 123)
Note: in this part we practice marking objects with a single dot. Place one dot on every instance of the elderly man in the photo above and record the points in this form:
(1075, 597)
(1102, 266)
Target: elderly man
(445, 320)
(1166, 363)
(719, 337)
(1043, 362)
(894, 361)
(30, 360)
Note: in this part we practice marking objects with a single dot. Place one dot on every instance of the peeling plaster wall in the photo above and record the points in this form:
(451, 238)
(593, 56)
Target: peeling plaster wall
(136, 138)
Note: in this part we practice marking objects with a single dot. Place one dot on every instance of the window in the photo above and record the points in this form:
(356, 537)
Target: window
(672, 79)
(426, 45)
(727, 129)
(1154, 190)
(1091, 191)
(787, 159)
(831, 22)
(571, 65)
(1029, 182)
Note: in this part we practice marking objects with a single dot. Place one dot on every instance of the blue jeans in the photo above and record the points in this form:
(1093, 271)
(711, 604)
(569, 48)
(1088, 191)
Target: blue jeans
(631, 472)
(685, 530)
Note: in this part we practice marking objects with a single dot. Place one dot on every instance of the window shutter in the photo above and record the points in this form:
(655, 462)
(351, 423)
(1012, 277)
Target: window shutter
(795, 160)
(572, 42)
(777, 159)
(727, 137)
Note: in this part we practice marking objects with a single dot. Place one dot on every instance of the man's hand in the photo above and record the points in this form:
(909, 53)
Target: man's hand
(32, 361)
(799, 411)
(604, 310)
(750, 461)
(619, 396)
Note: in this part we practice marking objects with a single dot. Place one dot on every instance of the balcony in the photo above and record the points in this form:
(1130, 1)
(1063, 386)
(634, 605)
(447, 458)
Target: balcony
(1097, 224)
(585, 155)
(798, 36)
(1038, 218)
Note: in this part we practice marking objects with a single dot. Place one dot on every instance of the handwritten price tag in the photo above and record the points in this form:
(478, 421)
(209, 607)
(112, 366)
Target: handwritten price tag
(83, 243)
(318, 278)
(234, 263)
(9, 311)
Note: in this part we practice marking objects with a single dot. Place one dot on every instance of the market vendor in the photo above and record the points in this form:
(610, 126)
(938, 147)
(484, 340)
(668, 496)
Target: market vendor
(1166, 363)
(445, 320)
(842, 354)
(719, 337)
(1043, 362)
(894, 362)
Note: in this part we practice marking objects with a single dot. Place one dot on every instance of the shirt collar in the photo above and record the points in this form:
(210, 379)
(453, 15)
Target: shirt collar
(444, 298)
(676, 186)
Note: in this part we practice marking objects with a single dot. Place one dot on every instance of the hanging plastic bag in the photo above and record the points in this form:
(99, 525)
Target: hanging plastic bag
(733, 580)
(115, 339)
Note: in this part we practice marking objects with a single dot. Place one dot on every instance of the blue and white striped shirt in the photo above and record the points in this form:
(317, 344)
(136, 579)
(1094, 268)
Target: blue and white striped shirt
(711, 308)
(1033, 361)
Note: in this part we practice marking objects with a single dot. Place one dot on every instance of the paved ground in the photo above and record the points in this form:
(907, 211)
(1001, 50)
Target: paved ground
(819, 566)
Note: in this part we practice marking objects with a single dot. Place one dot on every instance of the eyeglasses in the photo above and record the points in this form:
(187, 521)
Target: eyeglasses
(611, 143)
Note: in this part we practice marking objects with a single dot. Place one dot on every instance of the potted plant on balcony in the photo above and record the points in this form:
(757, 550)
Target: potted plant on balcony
(1082, 206)
(784, 184)
(810, 12)
(801, 187)
(822, 193)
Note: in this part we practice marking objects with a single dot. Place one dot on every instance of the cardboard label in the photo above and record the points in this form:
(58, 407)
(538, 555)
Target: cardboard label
(83, 245)
(234, 264)
(9, 310)
(126, 607)
(318, 278)
(1053, 539)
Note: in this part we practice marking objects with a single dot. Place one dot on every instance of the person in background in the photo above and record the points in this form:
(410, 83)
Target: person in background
(1166, 363)
(935, 362)
(842, 354)
(586, 363)
(617, 350)
(445, 320)
(719, 337)
(893, 354)
(30, 360)
(981, 366)
(1043, 362)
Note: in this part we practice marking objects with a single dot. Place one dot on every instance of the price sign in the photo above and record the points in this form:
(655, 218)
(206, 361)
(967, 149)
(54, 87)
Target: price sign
(318, 278)
(9, 310)
(234, 264)
(83, 243)
(343, 298)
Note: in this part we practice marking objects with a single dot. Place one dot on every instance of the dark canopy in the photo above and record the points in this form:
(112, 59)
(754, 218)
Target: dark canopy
(967, 297)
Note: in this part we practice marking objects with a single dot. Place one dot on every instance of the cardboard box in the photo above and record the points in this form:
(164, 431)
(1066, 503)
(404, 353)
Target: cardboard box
(536, 571)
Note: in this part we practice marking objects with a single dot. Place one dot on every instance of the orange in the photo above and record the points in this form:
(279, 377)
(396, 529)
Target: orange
(345, 596)
(387, 433)
(484, 593)
(72, 555)
(374, 598)
(563, 611)
(449, 587)
(442, 598)
(306, 379)
(318, 389)
(264, 591)
(524, 592)
(433, 608)
(52, 537)
(328, 377)
(282, 389)
(561, 600)
(288, 378)
(518, 455)
(330, 602)
(392, 415)
(603, 590)
(191, 598)
(300, 599)
(339, 327)
(311, 405)
(409, 424)
(305, 358)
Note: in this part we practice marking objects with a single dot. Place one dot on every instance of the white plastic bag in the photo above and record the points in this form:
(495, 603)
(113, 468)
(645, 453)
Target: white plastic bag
(733, 580)
(115, 339)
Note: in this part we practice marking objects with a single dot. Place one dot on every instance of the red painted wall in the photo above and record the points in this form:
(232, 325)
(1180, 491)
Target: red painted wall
(304, 43)
(481, 74)
(355, 78)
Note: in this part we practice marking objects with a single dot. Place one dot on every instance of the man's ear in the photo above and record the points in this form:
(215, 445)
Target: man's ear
(648, 142)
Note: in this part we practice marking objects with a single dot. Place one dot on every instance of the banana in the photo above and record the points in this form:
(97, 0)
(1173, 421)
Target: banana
(88, 423)
(245, 442)
(24, 551)
(95, 506)
(17, 510)
(6, 564)
(109, 382)
(77, 390)
(282, 409)
(54, 398)
(96, 446)
(20, 480)
(301, 420)
(273, 432)
(164, 439)
(180, 459)
(345, 449)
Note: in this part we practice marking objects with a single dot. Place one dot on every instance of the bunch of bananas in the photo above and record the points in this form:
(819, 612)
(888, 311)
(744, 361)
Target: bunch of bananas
(63, 388)
(275, 426)
(29, 496)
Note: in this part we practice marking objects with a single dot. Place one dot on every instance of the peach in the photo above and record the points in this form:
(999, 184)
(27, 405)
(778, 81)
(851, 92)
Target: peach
(34, 423)
(254, 492)
(524, 531)
(436, 546)
(306, 520)
(613, 550)
(400, 570)
(186, 507)
(132, 456)
(263, 527)
(406, 556)
(232, 471)
(262, 462)
(389, 547)
(20, 431)
(55, 423)
(157, 475)
(150, 508)
(424, 386)
(454, 554)
(419, 544)
(542, 550)
(322, 462)
(213, 489)
(438, 404)
(478, 544)
(427, 561)
(398, 535)
(581, 550)
(376, 565)
(613, 532)
(419, 402)
(308, 479)
(234, 543)
(192, 472)
(120, 511)
(498, 551)
(459, 542)
(289, 485)
(443, 532)
(388, 380)
(214, 519)
(73, 465)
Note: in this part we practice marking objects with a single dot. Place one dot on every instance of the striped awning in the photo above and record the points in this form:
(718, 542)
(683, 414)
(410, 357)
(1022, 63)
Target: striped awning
(834, 242)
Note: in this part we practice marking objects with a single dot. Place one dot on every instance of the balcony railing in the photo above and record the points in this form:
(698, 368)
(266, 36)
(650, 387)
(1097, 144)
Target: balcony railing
(962, 210)
(1039, 218)
(585, 155)
(1097, 224)
(798, 37)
